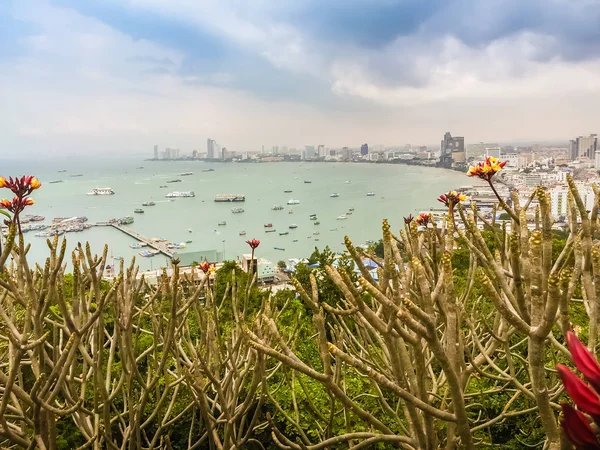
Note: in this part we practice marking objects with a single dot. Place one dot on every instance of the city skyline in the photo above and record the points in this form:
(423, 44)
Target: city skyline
(90, 77)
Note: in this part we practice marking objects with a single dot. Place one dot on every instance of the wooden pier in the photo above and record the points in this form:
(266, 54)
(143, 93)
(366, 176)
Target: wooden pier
(159, 246)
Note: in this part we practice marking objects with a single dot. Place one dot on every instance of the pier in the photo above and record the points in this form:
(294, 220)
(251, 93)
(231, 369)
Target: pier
(159, 246)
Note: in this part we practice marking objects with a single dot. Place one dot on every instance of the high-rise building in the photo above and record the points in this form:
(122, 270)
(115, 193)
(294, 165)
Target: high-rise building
(452, 149)
(210, 148)
(346, 154)
(310, 151)
(156, 152)
(479, 150)
(583, 147)
(321, 151)
(224, 154)
(364, 149)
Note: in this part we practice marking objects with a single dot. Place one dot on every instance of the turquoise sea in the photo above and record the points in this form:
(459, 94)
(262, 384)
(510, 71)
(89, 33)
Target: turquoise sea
(399, 190)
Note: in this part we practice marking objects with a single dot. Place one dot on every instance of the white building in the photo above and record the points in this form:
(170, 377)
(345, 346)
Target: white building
(559, 195)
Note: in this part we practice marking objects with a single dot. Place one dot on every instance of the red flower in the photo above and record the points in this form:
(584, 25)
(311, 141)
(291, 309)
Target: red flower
(17, 205)
(409, 219)
(423, 219)
(582, 395)
(204, 267)
(577, 427)
(21, 187)
(254, 243)
(451, 197)
(584, 361)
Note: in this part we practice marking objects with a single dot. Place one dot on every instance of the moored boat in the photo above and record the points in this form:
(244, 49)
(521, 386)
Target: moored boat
(341, 217)
(334, 195)
(177, 194)
(292, 226)
(277, 208)
(291, 201)
(370, 194)
(285, 233)
(222, 198)
(268, 225)
(148, 204)
(138, 210)
(101, 191)
(222, 223)
(237, 210)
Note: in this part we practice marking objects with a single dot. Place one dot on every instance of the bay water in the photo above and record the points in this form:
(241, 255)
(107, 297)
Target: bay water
(399, 190)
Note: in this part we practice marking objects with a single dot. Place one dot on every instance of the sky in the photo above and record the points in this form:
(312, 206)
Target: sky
(116, 77)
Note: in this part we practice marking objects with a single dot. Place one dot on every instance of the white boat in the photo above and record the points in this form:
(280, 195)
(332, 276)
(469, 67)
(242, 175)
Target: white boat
(347, 182)
(220, 198)
(176, 194)
(185, 174)
(334, 195)
(175, 245)
(371, 194)
(342, 217)
(101, 191)
(237, 210)
(242, 233)
(277, 208)
(292, 226)
(291, 201)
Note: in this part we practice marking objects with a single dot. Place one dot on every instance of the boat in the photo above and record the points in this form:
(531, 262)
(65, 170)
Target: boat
(175, 245)
(208, 170)
(295, 240)
(268, 225)
(222, 223)
(291, 201)
(317, 223)
(62, 171)
(138, 210)
(351, 209)
(277, 208)
(189, 241)
(279, 248)
(33, 218)
(148, 253)
(101, 191)
(287, 191)
(316, 240)
(186, 174)
(159, 239)
(174, 181)
(370, 194)
(333, 229)
(220, 198)
(285, 233)
(125, 220)
(270, 230)
(77, 175)
(162, 186)
(349, 213)
(148, 204)
(292, 226)
(316, 233)
(347, 182)
(242, 233)
(140, 167)
(291, 211)
(189, 230)
(138, 245)
(334, 195)
(55, 181)
(237, 210)
(313, 218)
(307, 182)
(342, 217)
(177, 194)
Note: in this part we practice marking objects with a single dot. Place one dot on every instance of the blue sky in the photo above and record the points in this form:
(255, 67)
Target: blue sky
(121, 75)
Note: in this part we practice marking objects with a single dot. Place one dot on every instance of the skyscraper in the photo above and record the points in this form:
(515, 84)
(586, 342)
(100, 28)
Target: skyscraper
(583, 147)
(452, 149)
(364, 149)
(156, 152)
(210, 148)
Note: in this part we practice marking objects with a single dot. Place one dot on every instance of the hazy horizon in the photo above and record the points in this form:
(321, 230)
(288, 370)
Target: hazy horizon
(113, 77)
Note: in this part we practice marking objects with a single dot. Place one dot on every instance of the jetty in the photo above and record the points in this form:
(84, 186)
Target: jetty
(159, 246)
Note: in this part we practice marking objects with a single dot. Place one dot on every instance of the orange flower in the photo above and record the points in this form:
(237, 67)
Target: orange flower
(451, 197)
(17, 205)
(21, 187)
(204, 267)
